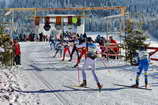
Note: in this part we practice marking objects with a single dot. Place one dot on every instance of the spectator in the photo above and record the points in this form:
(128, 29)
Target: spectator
(115, 49)
(111, 40)
(98, 38)
(17, 52)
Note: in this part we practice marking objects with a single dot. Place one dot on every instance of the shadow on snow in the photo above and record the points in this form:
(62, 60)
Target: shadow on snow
(70, 89)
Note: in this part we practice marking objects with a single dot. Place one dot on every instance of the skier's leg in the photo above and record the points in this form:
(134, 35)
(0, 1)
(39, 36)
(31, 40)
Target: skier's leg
(60, 52)
(137, 77)
(54, 44)
(50, 43)
(68, 51)
(78, 60)
(94, 74)
(73, 50)
(64, 54)
(84, 83)
(77, 53)
(146, 78)
(83, 72)
(56, 53)
(93, 70)
(146, 66)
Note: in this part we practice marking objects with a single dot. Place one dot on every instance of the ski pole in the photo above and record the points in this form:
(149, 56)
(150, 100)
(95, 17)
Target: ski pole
(104, 64)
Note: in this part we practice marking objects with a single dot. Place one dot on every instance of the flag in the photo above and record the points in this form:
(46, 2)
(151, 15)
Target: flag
(74, 20)
(47, 20)
(78, 21)
(69, 19)
(58, 20)
(37, 20)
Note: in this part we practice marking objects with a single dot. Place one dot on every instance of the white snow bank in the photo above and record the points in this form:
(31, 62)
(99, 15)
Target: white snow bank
(9, 87)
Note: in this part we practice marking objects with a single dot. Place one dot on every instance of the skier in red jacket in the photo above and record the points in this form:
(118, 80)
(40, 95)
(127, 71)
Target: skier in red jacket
(17, 52)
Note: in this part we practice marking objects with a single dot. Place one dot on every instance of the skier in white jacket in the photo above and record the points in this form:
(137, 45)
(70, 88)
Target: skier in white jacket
(90, 61)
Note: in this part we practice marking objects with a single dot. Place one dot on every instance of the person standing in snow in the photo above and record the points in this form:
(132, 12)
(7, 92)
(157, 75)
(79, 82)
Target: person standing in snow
(90, 61)
(17, 52)
(143, 61)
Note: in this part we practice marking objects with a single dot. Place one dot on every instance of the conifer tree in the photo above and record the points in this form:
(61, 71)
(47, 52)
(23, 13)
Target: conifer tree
(135, 37)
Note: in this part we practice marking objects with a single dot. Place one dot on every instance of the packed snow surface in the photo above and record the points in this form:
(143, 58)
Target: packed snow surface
(44, 80)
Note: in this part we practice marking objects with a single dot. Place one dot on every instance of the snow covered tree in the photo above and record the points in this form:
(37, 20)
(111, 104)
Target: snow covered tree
(1, 30)
(6, 43)
(135, 37)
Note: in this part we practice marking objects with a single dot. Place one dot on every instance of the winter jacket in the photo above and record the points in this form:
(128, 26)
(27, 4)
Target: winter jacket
(17, 49)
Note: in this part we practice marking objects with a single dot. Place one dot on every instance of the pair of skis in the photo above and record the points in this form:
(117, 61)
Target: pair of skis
(77, 87)
(128, 86)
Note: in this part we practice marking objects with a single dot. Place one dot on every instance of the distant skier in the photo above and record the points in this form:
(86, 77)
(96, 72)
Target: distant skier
(90, 61)
(75, 42)
(143, 61)
(58, 48)
(66, 49)
(52, 42)
(82, 50)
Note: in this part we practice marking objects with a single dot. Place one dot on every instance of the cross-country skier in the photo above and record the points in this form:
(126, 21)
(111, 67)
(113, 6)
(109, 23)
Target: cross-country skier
(66, 49)
(82, 50)
(143, 61)
(58, 48)
(75, 42)
(90, 61)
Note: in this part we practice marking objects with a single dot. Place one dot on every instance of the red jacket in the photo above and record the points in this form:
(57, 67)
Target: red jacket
(114, 42)
(17, 49)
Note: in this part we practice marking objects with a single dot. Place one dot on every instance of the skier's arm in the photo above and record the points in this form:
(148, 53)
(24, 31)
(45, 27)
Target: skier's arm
(81, 45)
(98, 52)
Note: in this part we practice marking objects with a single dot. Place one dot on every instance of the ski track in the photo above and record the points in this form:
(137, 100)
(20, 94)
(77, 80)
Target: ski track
(63, 100)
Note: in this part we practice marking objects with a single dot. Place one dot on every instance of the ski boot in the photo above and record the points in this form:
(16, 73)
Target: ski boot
(134, 86)
(75, 65)
(146, 86)
(99, 86)
(70, 60)
(83, 84)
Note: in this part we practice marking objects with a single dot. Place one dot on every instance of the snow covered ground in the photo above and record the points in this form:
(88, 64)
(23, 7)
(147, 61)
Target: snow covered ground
(11, 81)
(44, 80)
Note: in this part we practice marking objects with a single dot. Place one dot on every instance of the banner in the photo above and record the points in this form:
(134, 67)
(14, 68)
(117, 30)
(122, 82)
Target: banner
(58, 20)
(47, 20)
(37, 20)
(69, 19)
(78, 21)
